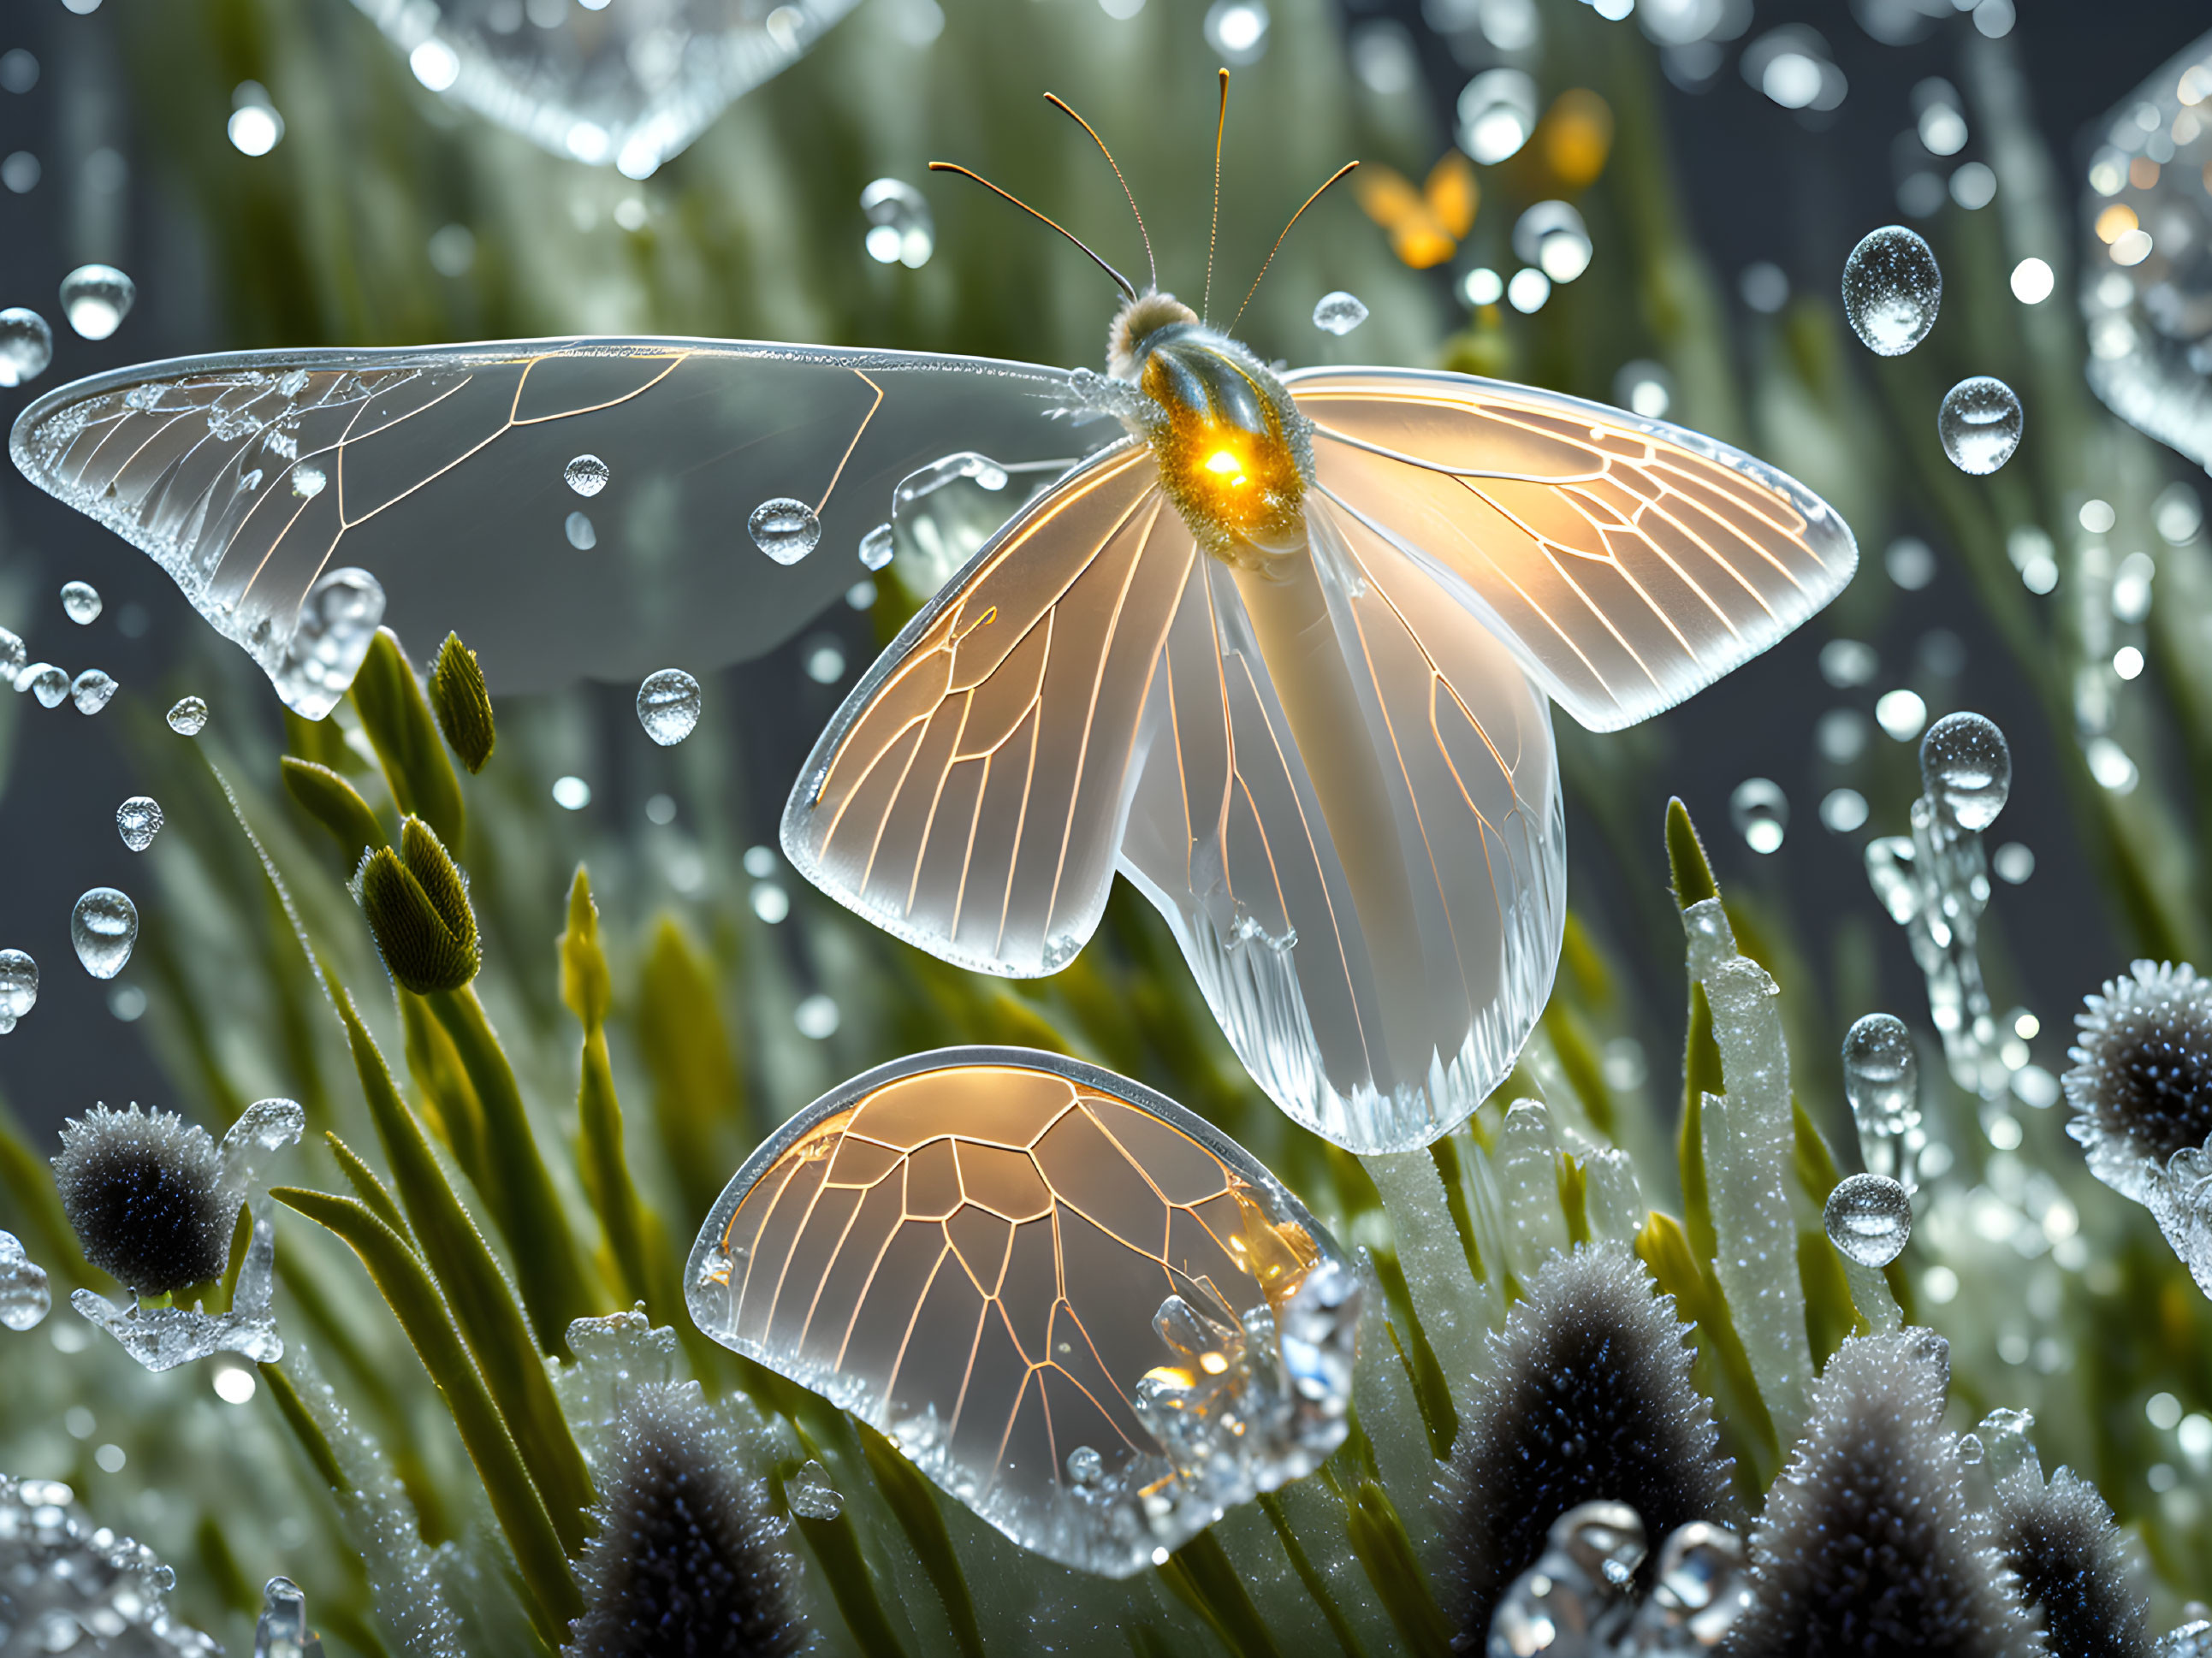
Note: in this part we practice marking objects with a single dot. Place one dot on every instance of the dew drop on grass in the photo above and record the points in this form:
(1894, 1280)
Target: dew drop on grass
(80, 602)
(96, 298)
(139, 820)
(586, 475)
(1980, 424)
(1891, 289)
(786, 530)
(1869, 1218)
(188, 716)
(668, 706)
(103, 927)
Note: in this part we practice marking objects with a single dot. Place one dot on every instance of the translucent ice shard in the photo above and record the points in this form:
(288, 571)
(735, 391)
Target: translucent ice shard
(282, 1631)
(72, 1586)
(25, 1298)
(1101, 1270)
(630, 85)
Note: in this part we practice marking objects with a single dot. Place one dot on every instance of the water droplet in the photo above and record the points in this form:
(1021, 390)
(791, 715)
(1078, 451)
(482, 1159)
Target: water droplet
(1966, 766)
(80, 602)
(27, 346)
(786, 530)
(13, 655)
(45, 682)
(90, 690)
(586, 475)
(96, 298)
(811, 1495)
(1085, 1466)
(1237, 31)
(307, 480)
(25, 1298)
(1338, 314)
(2003, 1437)
(1869, 1218)
(188, 717)
(1881, 1074)
(139, 820)
(338, 621)
(900, 229)
(582, 535)
(19, 986)
(1980, 424)
(103, 927)
(1760, 812)
(668, 706)
(877, 548)
(1892, 288)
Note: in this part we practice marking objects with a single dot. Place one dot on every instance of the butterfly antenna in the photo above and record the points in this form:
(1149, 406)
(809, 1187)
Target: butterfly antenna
(1277, 247)
(1122, 281)
(1221, 125)
(1061, 104)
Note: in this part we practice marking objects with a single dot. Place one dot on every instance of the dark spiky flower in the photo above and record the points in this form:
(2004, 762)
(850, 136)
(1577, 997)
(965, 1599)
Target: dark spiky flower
(2142, 1068)
(2060, 1542)
(1588, 1399)
(686, 1562)
(145, 1192)
(417, 906)
(462, 702)
(1867, 1547)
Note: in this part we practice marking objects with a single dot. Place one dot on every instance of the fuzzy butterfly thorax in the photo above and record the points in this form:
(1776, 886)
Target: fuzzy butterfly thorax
(1235, 455)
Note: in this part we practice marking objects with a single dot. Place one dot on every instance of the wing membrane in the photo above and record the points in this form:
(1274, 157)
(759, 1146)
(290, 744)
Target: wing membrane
(970, 794)
(440, 471)
(1628, 562)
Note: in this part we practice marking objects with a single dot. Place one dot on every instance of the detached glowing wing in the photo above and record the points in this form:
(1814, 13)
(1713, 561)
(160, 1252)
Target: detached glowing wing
(970, 794)
(1628, 562)
(440, 472)
(1062, 1294)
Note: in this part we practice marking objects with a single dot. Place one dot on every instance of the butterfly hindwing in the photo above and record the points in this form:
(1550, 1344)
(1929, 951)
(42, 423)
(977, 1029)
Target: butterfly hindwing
(1628, 562)
(970, 794)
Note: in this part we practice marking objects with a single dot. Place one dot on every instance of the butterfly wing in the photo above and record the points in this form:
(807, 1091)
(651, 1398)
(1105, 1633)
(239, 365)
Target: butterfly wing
(975, 1251)
(1628, 562)
(1355, 834)
(440, 472)
(970, 794)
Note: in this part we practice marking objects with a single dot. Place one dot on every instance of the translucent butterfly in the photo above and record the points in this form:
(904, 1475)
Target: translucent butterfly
(1085, 1312)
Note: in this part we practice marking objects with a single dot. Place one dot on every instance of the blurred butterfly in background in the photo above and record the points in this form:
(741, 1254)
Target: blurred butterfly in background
(1425, 225)
(1278, 648)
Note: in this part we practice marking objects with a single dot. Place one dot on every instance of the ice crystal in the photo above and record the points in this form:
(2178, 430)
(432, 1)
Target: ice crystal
(69, 1586)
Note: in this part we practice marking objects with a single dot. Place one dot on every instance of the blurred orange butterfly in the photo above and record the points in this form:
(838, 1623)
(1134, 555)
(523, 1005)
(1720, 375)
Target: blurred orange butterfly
(1427, 224)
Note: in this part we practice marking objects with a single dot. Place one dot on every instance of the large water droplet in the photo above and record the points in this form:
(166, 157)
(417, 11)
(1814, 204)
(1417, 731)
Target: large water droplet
(45, 682)
(188, 716)
(80, 602)
(103, 927)
(877, 547)
(90, 690)
(586, 475)
(786, 530)
(2004, 1442)
(1760, 812)
(338, 622)
(1892, 288)
(811, 1495)
(1869, 1218)
(18, 987)
(1980, 424)
(139, 820)
(1237, 31)
(25, 1298)
(27, 346)
(96, 298)
(668, 706)
(1881, 1074)
(1338, 314)
(1966, 766)
(900, 229)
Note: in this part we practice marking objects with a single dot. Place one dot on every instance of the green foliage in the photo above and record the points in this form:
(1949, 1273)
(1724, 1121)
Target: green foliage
(397, 718)
(462, 703)
(336, 805)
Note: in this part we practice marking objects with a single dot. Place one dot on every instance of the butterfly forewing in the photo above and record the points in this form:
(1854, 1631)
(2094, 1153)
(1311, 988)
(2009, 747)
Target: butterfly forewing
(984, 1252)
(440, 472)
(970, 795)
(1628, 562)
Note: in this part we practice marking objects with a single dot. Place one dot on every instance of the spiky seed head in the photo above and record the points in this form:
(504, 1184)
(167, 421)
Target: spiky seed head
(462, 702)
(2142, 1066)
(1588, 1399)
(687, 1559)
(2060, 1542)
(144, 1191)
(418, 905)
(1867, 1547)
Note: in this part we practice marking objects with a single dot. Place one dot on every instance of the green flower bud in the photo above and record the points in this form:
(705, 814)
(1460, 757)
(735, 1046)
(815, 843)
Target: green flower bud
(417, 905)
(463, 705)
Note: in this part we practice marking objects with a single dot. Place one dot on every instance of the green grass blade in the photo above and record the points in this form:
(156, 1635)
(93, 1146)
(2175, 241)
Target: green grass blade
(1378, 1538)
(836, 1545)
(366, 1186)
(1316, 1585)
(1201, 1573)
(698, 1092)
(397, 717)
(336, 805)
(305, 1428)
(403, 1282)
(29, 1181)
(913, 1502)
